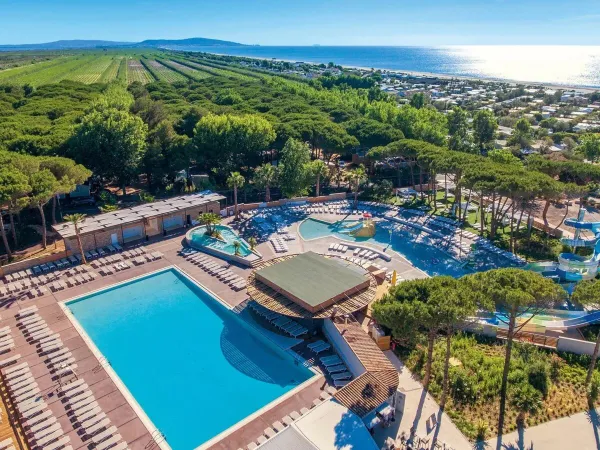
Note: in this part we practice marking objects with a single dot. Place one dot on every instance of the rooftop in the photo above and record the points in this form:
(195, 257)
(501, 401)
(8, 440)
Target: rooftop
(131, 215)
(313, 281)
(278, 301)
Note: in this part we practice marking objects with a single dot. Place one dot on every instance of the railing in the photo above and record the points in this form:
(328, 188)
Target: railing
(156, 438)
(531, 338)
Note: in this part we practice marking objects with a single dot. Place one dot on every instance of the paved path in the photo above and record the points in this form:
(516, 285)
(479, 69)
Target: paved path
(580, 431)
(422, 410)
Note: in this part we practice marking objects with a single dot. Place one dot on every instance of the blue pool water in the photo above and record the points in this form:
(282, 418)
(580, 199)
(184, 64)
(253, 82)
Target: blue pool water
(423, 256)
(190, 363)
(228, 236)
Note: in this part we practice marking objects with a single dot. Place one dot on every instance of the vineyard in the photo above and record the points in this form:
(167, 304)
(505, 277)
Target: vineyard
(126, 66)
(137, 72)
(161, 72)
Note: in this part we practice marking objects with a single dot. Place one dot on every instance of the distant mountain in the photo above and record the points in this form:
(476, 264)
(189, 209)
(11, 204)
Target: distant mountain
(87, 44)
(184, 42)
(62, 45)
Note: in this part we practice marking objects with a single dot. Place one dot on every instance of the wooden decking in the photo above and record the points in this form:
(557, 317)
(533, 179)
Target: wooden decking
(532, 338)
(275, 301)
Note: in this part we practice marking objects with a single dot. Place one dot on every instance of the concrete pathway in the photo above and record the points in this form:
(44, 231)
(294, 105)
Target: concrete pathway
(422, 411)
(580, 431)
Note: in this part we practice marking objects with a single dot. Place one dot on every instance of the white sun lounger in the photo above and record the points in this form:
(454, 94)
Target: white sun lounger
(16, 368)
(5, 331)
(33, 393)
(75, 391)
(38, 418)
(89, 415)
(59, 444)
(21, 383)
(94, 428)
(6, 443)
(120, 446)
(101, 436)
(75, 406)
(11, 360)
(51, 420)
(80, 396)
(28, 409)
(85, 409)
(14, 376)
(61, 364)
(59, 356)
(56, 433)
(113, 440)
(74, 385)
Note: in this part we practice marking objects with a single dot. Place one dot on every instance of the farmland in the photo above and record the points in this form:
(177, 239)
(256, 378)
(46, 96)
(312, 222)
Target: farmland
(137, 72)
(161, 72)
(104, 66)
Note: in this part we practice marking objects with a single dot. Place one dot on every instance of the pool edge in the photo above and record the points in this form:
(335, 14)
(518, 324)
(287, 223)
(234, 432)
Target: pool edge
(145, 419)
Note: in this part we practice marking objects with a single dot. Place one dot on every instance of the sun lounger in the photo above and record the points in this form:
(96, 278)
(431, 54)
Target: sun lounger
(54, 357)
(32, 393)
(18, 383)
(337, 368)
(47, 438)
(89, 415)
(14, 369)
(87, 408)
(120, 446)
(94, 428)
(340, 383)
(28, 409)
(341, 376)
(298, 332)
(9, 361)
(62, 363)
(65, 370)
(75, 406)
(78, 396)
(105, 434)
(18, 376)
(74, 385)
(38, 418)
(60, 444)
(107, 443)
(73, 392)
(321, 348)
(331, 360)
(316, 344)
(51, 420)
(6, 443)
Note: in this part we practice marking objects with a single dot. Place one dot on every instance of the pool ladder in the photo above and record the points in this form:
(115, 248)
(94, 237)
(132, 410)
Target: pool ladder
(155, 439)
(102, 362)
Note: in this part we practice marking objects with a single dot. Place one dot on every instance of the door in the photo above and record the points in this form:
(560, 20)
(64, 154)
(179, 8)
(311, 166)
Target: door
(114, 239)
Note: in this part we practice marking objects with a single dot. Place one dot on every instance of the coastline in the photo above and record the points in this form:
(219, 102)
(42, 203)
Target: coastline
(441, 76)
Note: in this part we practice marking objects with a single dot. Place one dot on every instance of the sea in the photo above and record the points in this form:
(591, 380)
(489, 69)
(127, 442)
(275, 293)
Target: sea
(569, 66)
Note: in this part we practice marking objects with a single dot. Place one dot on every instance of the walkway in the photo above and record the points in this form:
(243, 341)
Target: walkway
(422, 410)
(580, 431)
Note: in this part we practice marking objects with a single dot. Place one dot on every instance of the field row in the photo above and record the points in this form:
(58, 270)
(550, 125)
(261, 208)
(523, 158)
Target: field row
(218, 71)
(161, 72)
(91, 72)
(186, 70)
(137, 72)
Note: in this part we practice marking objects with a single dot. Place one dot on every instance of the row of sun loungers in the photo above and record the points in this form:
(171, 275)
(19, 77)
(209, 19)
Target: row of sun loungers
(279, 245)
(279, 321)
(334, 247)
(41, 426)
(336, 368)
(216, 269)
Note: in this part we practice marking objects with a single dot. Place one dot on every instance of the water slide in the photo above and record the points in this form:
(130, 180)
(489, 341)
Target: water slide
(575, 322)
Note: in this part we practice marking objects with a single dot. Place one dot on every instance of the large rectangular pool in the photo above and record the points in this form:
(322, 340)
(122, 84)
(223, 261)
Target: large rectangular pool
(189, 362)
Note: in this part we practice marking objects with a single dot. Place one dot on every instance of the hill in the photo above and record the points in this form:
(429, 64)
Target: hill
(86, 44)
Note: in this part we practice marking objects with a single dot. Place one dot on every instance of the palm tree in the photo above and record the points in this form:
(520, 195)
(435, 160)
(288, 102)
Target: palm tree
(236, 247)
(210, 221)
(252, 242)
(235, 181)
(76, 219)
(355, 178)
(264, 177)
(319, 170)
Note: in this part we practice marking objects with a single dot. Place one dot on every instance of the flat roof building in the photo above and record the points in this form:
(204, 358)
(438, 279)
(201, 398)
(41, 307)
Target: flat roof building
(139, 222)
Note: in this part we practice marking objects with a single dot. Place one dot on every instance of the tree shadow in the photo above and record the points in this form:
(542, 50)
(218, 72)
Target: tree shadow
(592, 416)
(418, 414)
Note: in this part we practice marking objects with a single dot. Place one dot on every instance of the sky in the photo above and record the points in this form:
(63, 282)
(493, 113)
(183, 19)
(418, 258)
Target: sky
(306, 22)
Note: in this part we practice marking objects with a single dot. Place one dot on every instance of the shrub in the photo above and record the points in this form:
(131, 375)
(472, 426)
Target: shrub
(482, 429)
(463, 386)
(593, 390)
(538, 375)
(526, 399)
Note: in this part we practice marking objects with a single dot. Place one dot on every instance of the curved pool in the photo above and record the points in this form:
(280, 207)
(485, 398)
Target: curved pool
(422, 255)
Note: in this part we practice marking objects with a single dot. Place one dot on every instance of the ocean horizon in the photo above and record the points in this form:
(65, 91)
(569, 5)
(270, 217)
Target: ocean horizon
(561, 65)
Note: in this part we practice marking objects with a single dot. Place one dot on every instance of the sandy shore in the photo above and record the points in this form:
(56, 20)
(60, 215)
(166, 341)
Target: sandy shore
(440, 76)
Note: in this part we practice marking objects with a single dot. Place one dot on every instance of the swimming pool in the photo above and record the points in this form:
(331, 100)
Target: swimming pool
(192, 365)
(423, 256)
(225, 244)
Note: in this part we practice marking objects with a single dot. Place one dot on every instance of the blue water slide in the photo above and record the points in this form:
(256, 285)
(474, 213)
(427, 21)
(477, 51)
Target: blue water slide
(576, 322)
(583, 225)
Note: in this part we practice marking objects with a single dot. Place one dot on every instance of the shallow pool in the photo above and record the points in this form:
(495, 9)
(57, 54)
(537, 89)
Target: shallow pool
(193, 366)
(225, 244)
(423, 256)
